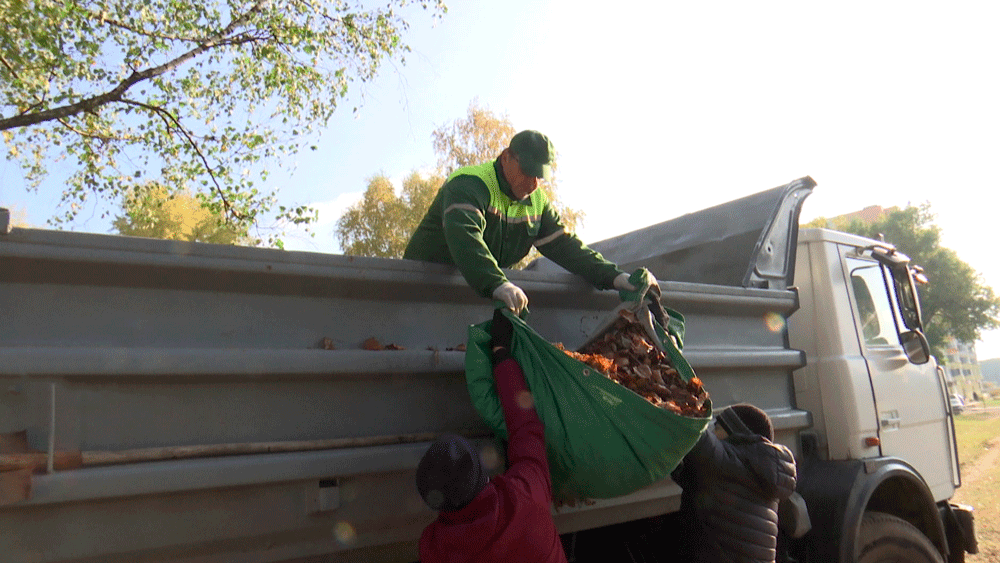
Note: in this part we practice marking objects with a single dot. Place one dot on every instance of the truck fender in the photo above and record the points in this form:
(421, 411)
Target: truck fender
(838, 493)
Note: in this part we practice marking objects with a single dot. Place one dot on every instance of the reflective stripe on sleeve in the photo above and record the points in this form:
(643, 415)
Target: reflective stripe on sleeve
(550, 238)
(463, 207)
(512, 219)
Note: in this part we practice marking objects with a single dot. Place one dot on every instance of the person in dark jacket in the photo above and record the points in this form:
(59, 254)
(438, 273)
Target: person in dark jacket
(732, 481)
(504, 519)
(488, 216)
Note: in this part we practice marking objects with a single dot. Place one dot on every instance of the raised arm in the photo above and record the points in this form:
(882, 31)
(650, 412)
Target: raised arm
(567, 250)
(526, 435)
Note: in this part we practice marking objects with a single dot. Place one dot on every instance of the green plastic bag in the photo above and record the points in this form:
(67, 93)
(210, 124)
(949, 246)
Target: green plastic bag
(602, 439)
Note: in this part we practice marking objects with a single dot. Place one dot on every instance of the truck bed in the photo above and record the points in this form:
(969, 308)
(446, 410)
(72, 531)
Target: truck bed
(201, 367)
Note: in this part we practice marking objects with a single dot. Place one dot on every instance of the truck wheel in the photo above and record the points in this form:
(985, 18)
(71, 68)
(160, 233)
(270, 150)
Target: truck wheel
(887, 539)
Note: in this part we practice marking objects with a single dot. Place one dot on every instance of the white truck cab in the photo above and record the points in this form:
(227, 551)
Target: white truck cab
(879, 403)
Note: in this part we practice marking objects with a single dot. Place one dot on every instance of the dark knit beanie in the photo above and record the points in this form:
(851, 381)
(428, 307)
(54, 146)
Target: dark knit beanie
(746, 419)
(450, 474)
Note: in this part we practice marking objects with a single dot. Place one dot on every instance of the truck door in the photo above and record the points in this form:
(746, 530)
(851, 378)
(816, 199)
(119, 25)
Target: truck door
(912, 409)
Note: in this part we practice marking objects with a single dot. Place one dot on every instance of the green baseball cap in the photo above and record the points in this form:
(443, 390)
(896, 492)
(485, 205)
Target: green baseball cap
(534, 153)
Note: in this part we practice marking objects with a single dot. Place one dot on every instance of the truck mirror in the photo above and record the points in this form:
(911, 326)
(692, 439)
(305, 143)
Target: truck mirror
(918, 351)
(888, 255)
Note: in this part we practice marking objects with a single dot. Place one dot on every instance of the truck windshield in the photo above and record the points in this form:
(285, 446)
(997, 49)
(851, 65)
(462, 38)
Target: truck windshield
(909, 305)
(872, 303)
(901, 276)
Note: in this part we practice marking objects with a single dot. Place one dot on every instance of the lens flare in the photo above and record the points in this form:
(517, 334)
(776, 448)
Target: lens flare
(525, 400)
(345, 533)
(490, 457)
(774, 322)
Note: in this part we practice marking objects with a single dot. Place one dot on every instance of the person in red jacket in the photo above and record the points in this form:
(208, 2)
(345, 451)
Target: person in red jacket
(507, 518)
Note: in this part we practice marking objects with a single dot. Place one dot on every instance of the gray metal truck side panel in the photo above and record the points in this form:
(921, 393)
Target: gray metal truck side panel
(151, 344)
(747, 242)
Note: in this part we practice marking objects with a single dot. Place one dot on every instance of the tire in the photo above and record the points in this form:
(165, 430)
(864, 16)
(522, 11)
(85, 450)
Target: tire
(887, 539)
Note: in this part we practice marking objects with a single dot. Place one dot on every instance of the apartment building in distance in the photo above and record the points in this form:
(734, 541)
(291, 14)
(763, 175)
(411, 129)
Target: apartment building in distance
(962, 370)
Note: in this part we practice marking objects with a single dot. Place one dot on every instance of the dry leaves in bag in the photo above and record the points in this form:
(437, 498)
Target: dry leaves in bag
(626, 355)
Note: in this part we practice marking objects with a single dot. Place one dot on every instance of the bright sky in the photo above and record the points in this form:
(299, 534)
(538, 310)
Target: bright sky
(661, 108)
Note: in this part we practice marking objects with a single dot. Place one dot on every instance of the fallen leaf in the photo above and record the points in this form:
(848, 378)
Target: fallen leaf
(627, 356)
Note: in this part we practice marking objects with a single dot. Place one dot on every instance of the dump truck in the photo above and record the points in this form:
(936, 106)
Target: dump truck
(172, 401)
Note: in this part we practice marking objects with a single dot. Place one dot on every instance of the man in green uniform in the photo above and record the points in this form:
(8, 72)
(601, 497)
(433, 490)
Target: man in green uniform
(488, 216)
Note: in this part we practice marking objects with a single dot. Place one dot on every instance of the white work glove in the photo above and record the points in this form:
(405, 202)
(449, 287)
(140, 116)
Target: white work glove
(621, 283)
(512, 296)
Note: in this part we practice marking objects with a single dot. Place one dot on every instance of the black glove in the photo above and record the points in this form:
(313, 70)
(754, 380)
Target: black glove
(501, 335)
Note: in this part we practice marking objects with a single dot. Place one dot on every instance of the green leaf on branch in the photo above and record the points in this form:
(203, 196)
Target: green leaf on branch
(123, 89)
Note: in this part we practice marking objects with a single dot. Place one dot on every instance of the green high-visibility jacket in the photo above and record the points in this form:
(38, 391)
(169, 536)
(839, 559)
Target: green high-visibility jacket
(475, 223)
